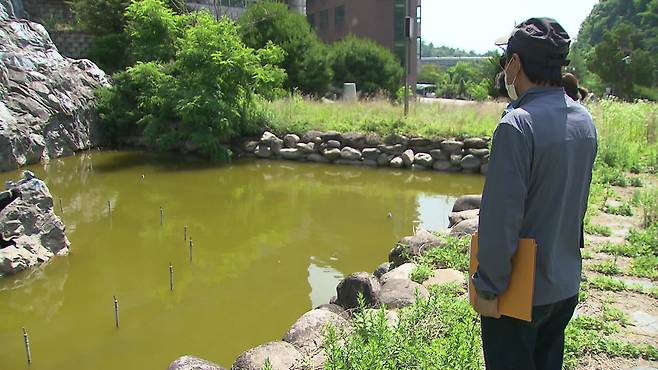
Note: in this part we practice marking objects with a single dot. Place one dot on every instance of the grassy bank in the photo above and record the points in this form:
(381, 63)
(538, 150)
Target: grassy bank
(443, 332)
(628, 133)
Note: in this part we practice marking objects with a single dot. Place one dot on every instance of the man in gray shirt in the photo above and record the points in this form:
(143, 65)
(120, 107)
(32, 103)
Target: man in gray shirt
(537, 187)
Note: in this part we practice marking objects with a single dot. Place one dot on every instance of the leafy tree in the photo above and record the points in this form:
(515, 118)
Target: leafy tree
(204, 97)
(372, 67)
(605, 17)
(153, 29)
(106, 20)
(305, 62)
(430, 74)
(620, 60)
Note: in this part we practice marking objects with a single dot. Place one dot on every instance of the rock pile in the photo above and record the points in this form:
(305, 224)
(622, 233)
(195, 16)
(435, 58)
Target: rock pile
(46, 100)
(38, 233)
(439, 154)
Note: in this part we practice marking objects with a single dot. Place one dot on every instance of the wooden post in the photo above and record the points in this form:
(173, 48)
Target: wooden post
(109, 208)
(161, 216)
(185, 233)
(171, 277)
(116, 311)
(28, 352)
(191, 246)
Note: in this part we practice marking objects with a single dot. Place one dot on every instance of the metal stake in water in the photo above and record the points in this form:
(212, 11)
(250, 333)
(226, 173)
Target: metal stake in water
(171, 277)
(161, 216)
(61, 209)
(28, 352)
(191, 247)
(109, 208)
(185, 233)
(116, 311)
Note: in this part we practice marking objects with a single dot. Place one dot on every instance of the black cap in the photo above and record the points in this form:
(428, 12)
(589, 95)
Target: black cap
(540, 40)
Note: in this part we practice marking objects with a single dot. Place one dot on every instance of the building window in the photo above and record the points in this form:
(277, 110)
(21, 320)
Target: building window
(324, 19)
(311, 19)
(339, 16)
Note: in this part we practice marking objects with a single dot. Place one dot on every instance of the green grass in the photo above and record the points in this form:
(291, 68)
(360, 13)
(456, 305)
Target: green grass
(607, 268)
(645, 266)
(297, 114)
(586, 254)
(626, 250)
(593, 229)
(623, 209)
(591, 335)
(452, 254)
(441, 332)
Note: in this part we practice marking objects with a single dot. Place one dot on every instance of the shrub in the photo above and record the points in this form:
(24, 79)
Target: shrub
(153, 30)
(106, 20)
(204, 98)
(305, 61)
(372, 67)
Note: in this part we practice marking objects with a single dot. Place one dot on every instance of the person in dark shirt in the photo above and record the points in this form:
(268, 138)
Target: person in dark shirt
(536, 187)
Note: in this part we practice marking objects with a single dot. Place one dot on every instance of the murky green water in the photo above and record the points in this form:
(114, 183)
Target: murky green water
(271, 241)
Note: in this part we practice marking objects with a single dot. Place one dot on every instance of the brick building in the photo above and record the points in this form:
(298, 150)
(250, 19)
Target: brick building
(379, 20)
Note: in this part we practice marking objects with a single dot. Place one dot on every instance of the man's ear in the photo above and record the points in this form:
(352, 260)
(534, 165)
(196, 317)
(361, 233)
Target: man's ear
(514, 65)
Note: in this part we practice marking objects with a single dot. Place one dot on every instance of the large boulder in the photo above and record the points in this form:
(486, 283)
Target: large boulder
(307, 333)
(370, 153)
(466, 227)
(360, 282)
(451, 146)
(354, 140)
(290, 140)
(193, 363)
(292, 154)
(350, 154)
(331, 154)
(445, 276)
(457, 217)
(423, 159)
(281, 355)
(312, 135)
(263, 151)
(382, 269)
(396, 149)
(438, 154)
(408, 157)
(399, 293)
(47, 101)
(413, 246)
(467, 202)
(331, 135)
(394, 139)
(306, 148)
(37, 231)
(396, 162)
(471, 163)
(402, 272)
(475, 143)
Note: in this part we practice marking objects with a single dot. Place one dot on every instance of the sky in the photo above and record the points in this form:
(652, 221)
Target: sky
(476, 24)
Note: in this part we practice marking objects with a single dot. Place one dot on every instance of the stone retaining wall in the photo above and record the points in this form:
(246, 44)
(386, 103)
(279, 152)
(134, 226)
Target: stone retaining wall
(440, 154)
(390, 286)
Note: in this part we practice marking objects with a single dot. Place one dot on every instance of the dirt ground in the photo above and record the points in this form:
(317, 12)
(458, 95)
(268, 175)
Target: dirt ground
(640, 309)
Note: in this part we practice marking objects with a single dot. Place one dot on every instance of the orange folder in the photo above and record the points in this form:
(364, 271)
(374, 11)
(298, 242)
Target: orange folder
(516, 301)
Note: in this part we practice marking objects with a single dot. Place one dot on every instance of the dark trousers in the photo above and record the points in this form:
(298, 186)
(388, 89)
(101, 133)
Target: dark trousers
(512, 344)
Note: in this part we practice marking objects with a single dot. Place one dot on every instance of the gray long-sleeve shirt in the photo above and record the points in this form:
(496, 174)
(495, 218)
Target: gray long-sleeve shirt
(537, 186)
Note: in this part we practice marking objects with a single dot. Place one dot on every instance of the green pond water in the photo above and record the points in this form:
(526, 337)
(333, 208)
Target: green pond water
(271, 241)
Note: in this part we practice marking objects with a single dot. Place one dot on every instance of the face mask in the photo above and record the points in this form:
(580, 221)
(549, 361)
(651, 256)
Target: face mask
(511, 90)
